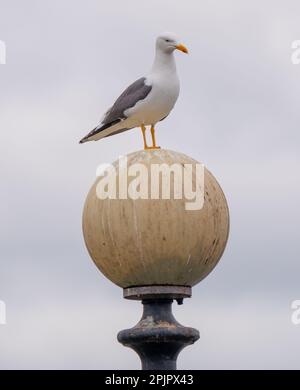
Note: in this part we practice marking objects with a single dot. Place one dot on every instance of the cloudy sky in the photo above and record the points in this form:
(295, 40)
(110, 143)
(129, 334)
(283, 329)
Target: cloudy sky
(238, 113)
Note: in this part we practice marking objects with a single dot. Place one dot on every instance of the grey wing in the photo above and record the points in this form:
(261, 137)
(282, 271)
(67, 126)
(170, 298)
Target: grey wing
(133, 94)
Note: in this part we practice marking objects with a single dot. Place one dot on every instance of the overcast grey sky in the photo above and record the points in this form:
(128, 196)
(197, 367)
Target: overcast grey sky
(238, 113)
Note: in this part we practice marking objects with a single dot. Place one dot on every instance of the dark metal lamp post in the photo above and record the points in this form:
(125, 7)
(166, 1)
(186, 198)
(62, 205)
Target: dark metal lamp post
(158, 337)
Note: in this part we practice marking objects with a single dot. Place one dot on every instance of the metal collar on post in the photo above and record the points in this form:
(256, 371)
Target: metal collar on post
(158, 338)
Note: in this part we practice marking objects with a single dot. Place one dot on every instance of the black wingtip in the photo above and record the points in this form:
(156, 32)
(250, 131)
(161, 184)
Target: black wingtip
(83, 140)
(97, 130)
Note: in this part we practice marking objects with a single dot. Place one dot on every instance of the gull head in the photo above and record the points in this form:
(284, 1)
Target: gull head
(168, 42)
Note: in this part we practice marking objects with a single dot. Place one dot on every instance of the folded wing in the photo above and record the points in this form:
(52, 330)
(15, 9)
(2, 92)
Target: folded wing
(129, 98)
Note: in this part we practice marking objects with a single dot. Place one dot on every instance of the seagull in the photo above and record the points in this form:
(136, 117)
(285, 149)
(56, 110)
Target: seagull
(148, 100)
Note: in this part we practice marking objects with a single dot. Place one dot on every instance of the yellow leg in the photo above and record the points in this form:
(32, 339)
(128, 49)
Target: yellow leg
(143, 128)
(153, 139)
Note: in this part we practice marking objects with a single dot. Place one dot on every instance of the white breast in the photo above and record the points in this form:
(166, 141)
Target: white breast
(160, 101)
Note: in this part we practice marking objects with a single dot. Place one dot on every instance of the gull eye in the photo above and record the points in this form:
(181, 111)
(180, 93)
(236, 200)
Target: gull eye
(168, 40)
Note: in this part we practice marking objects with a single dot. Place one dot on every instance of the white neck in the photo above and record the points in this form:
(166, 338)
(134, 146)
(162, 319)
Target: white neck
(163, 62)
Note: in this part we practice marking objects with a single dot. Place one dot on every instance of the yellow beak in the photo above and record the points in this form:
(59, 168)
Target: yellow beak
(182, 48)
